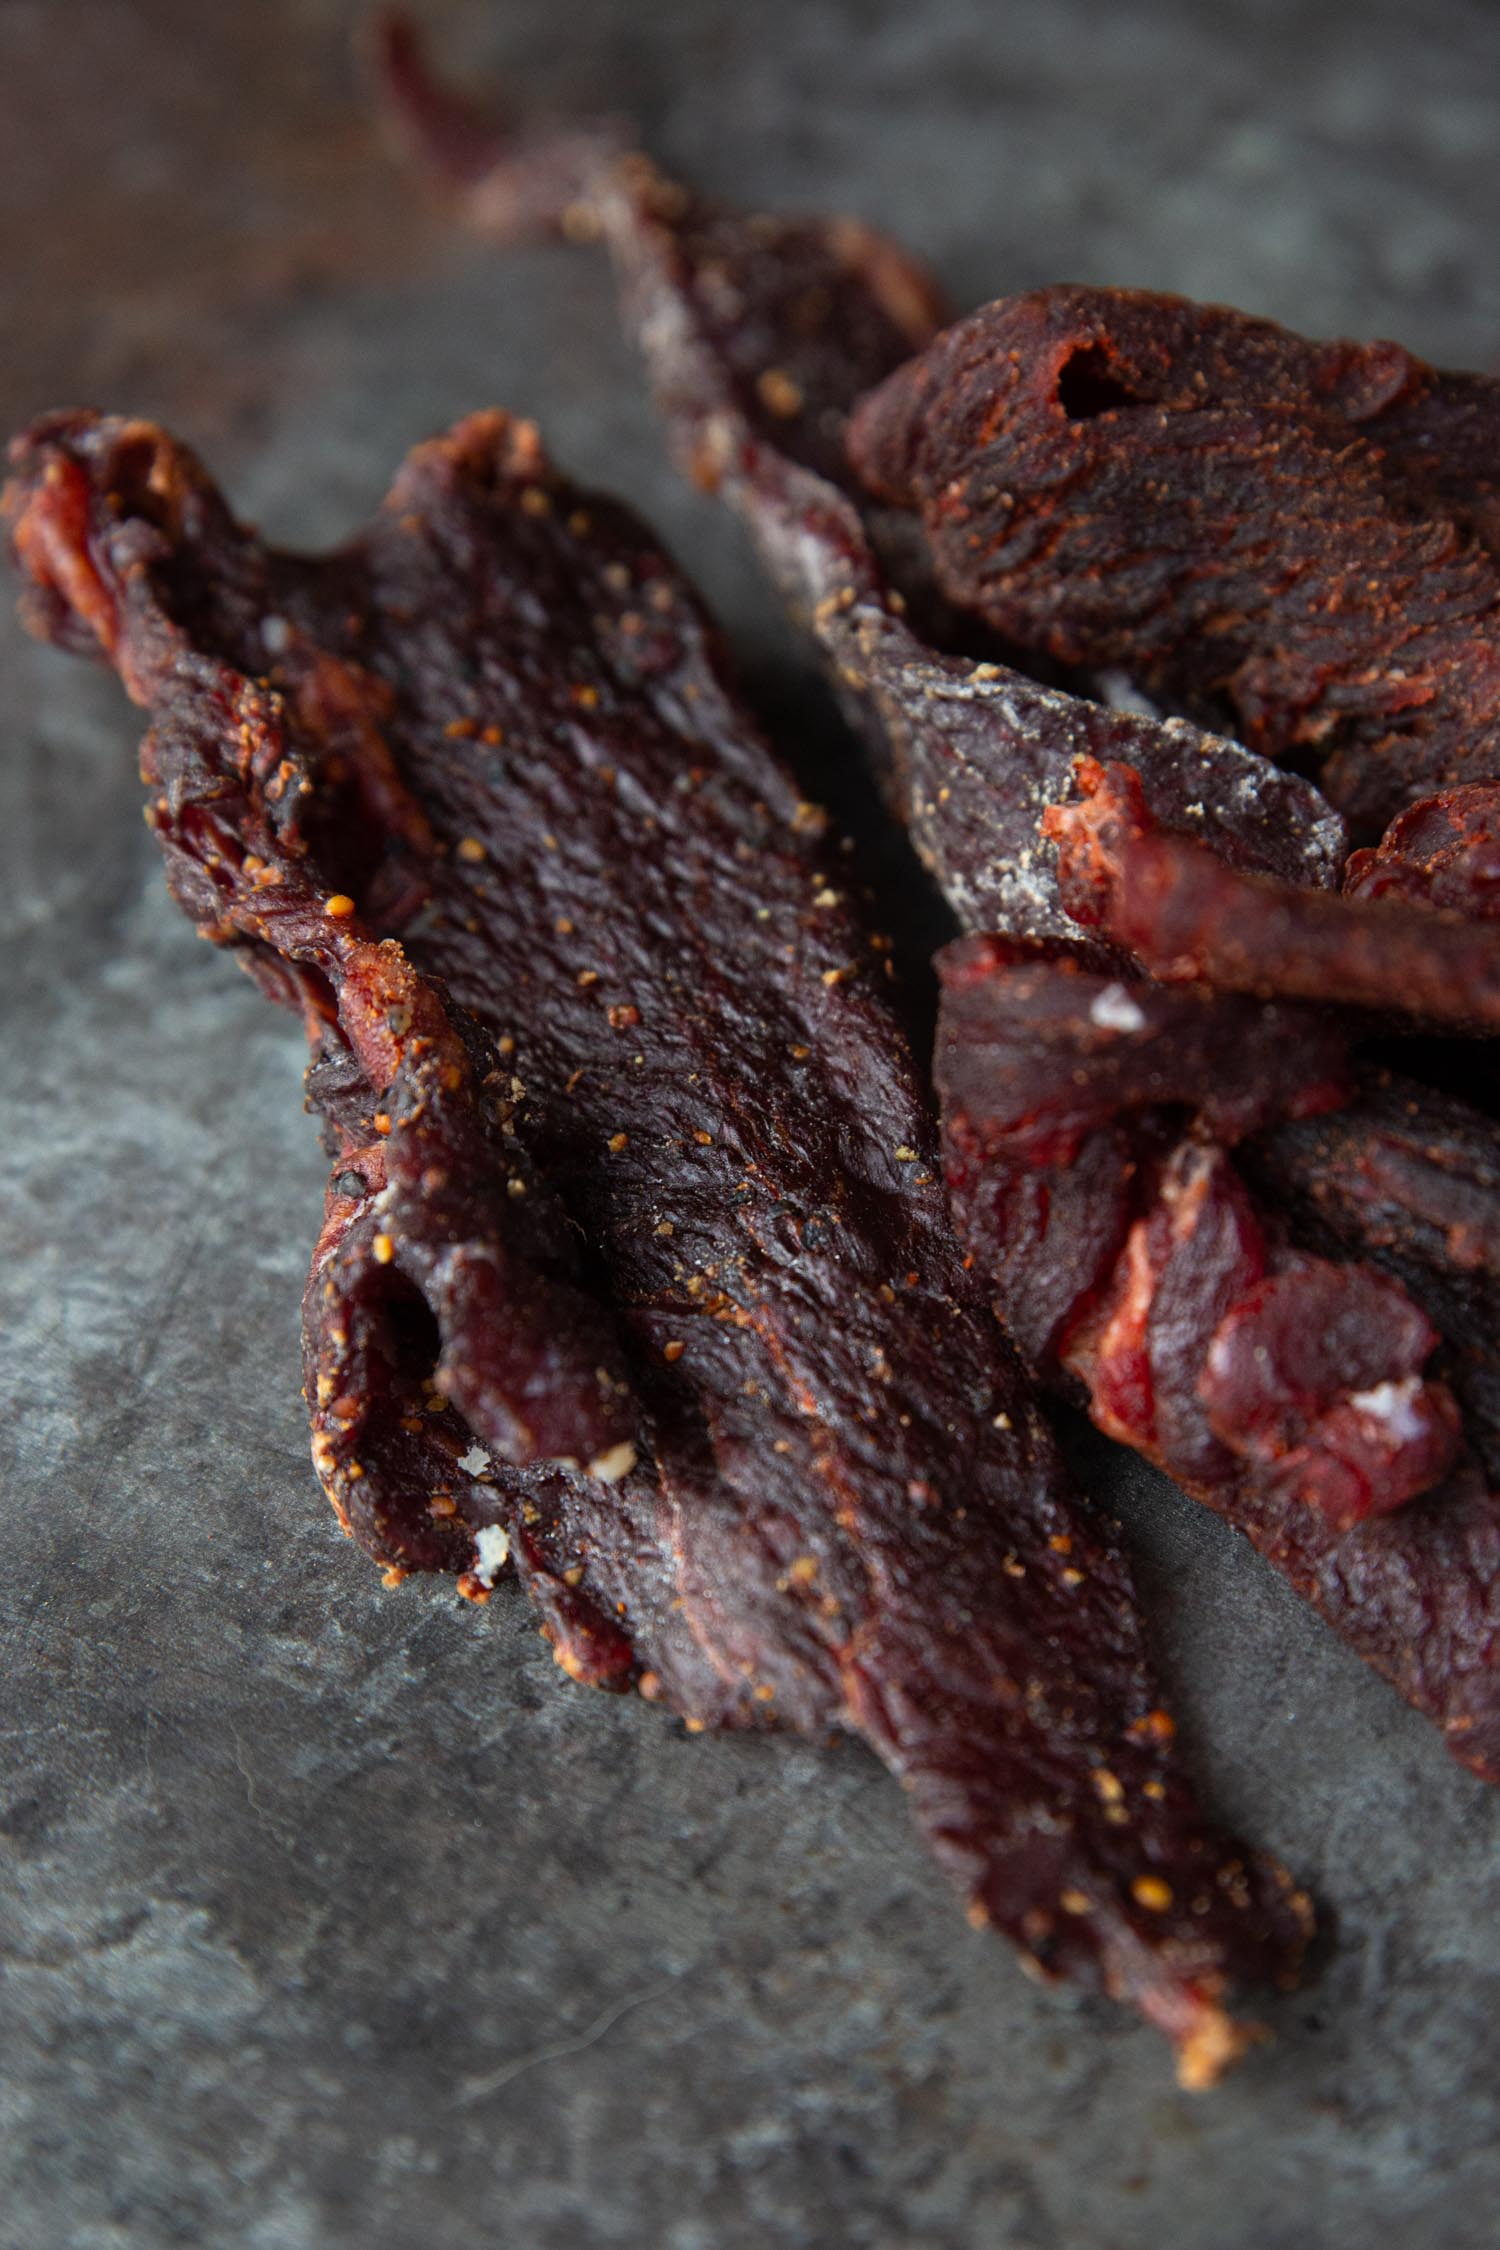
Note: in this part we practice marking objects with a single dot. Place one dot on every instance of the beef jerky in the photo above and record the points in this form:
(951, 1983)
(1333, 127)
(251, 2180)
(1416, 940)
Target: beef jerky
(241, 794)
(760, 333)
(838, 1504)
(1443, 852)
(1185, 914)
(1082, 1101)
(1409, 1179)
(1226, 511)
(973, 753)
(1296, 1396)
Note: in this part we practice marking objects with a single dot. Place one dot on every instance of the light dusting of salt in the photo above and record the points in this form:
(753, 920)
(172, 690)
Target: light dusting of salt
(1114, 1010)
(491, 1552)
(475, 1461)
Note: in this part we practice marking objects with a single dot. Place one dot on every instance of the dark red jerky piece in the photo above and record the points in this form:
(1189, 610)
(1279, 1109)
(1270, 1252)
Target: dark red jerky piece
(1186, 915)
(964, 779)
(1062, 1229)
(1232, 1377)
(725, 306)
(1318, 1373)
(1048, 1051)
(1059, 1087)
(1410, 1180)
(1415, 1591)
(1119, 478)
(244, 786)
(1184, 1265)
(845, 1507)
(1443, 852)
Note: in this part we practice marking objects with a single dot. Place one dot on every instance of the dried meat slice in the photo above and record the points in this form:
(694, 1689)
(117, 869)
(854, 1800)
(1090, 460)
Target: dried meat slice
(1297, 1397)
(1122, 478)
(973, 754)
(836, 1502)
(1409, 1179)
(760, 334)
(1186, 915)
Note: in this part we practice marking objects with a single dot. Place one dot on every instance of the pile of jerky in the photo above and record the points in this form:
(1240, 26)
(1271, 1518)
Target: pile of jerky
(645, 1272)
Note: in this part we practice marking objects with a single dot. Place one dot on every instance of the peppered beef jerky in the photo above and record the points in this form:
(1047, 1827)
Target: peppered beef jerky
(1187, 915)
(1298, 1397)
(1128, 479)
(245, 780)
(760, 333)
(838, 1504)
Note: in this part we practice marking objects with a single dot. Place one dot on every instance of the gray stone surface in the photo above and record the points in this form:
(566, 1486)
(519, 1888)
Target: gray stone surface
(336, 1917)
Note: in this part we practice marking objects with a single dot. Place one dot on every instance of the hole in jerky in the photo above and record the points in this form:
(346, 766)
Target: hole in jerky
(409, 1335)
(1087, 385)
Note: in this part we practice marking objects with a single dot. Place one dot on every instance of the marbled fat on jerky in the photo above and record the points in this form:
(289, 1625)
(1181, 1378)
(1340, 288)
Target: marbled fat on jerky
(683, 1096)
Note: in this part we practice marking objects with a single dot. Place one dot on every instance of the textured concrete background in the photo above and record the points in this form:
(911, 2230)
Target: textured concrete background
(335, 1917)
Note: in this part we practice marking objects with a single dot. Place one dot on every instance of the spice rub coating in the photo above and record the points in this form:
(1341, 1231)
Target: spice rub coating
(836, 1502)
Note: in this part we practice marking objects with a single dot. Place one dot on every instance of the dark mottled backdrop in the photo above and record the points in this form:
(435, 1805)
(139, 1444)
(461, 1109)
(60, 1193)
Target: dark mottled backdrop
(336, 1917)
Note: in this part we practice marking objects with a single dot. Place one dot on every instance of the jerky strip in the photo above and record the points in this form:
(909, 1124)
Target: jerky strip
(760, 333)
(243, 792)
(1077, 1093)
(1291, 1395)
(1410, 1179)
(846, 1508)
(1443, 852)
(1186, 915)
(1121, 478)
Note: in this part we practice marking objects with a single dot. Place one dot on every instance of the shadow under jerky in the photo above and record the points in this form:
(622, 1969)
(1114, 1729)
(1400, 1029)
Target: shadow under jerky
(634, 1045)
